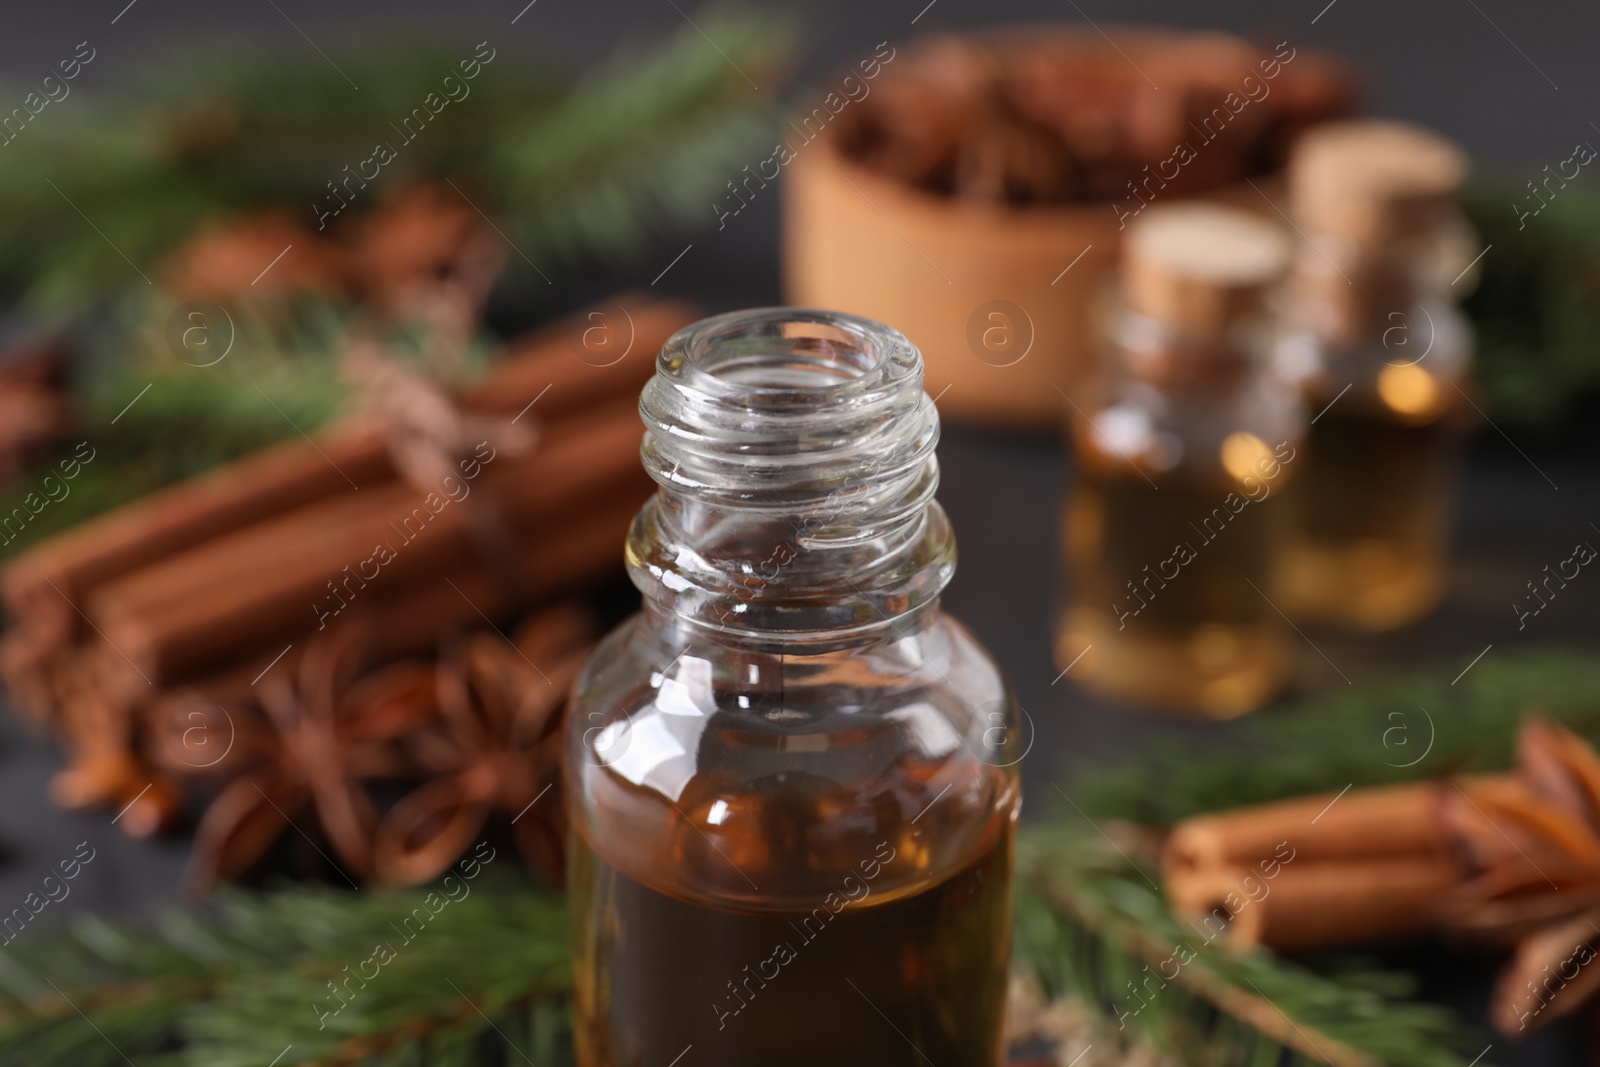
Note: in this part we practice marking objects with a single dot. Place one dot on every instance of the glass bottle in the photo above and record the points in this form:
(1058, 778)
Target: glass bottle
(792, 780)
(1170, 528)
(1382, 353)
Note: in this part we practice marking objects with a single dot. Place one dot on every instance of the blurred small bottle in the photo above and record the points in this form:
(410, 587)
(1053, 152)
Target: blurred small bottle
(1381, 352)
(1169, 531)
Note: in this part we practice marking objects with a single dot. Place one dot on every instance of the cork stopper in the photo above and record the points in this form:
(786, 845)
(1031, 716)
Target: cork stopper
(1369, 181)
(1201, 268)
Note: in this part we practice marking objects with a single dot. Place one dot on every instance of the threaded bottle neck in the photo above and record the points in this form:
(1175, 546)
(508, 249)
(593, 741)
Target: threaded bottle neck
(795, 454)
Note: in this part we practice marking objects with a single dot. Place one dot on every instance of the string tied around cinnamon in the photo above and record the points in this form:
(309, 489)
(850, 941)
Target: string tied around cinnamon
(433, 443)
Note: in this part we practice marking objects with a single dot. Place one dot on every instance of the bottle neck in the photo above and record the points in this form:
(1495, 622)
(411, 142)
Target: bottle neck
(795, 456)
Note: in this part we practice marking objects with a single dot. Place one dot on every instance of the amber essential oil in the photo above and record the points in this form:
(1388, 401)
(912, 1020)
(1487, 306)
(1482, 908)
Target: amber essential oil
(880, 974)
(1367, 529)
(1383, 354)
(1170, 605)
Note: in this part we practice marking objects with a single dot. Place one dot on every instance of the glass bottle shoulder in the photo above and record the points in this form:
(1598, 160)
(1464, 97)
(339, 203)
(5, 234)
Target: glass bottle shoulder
(752, 779)
(1203, 437)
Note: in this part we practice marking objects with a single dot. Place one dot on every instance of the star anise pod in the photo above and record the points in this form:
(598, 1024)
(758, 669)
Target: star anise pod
(1532, 841)
(226, 259)
(496, 746)
(331, 731)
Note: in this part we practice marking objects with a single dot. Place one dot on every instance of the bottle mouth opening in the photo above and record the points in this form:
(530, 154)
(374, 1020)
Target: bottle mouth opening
(788, 355)
(792, 446)
(789, 409)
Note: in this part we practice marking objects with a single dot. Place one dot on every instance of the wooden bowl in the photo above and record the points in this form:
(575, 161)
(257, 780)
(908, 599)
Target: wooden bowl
(999, 299)
(1002, 297)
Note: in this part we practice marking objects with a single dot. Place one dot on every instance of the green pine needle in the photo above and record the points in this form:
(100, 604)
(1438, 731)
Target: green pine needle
(1091, 927)
(571, 168)
(586, 168)
(485, 970)
(1536, 312)
(1364, 735)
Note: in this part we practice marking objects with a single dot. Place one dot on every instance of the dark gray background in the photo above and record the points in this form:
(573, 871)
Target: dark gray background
(1517, 92)
(1443, 63)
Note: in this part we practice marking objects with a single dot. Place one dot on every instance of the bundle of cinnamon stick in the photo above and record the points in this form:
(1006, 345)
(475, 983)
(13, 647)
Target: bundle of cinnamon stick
(1507, 860)
(425, 515)
(1315, 871)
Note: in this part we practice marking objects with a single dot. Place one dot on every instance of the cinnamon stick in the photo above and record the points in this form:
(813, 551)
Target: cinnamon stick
(1316, 905)
(1399, 820)
(166, 641)
(562, 559)
(567, 364)
(1315, 871)
(41, 586)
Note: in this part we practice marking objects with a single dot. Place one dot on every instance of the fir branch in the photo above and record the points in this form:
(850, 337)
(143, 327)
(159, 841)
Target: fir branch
(649, 140)
(1536, 312)
(235, 989)
(589, 168)
(129, 984)
(1090, 927)
(236, 134)
(576, 168)
(492, 956)
(1370, 734)
(153, 420)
